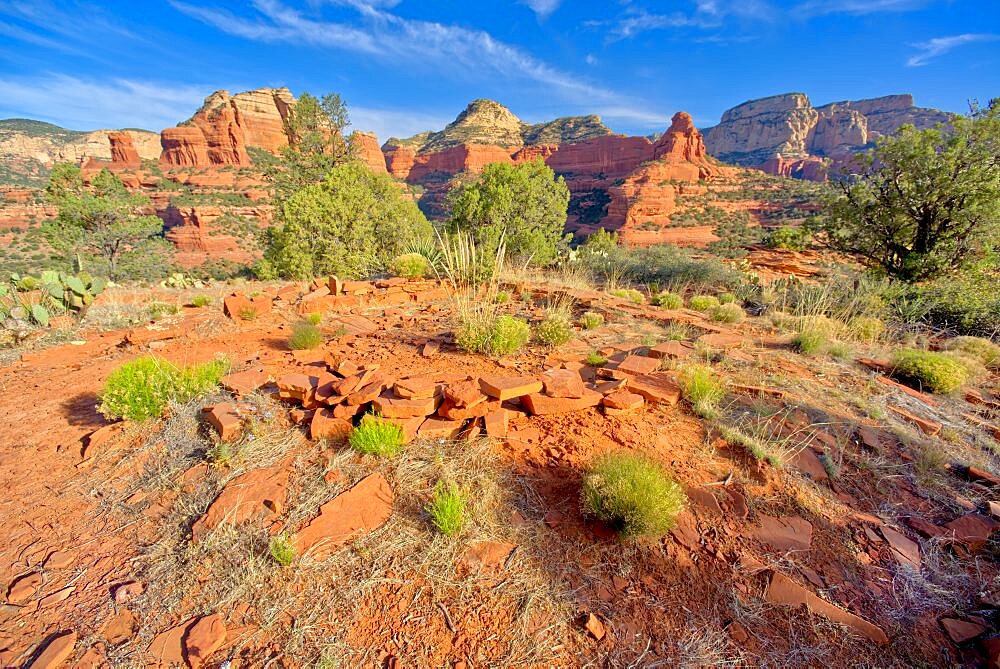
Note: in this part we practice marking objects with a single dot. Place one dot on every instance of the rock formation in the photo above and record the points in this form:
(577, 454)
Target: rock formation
(366, 145)
(123, 151)
(785, 134)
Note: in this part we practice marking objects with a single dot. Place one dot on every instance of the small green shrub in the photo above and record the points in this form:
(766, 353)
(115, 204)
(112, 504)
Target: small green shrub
(677, 332)
(448, 509)
(376, 436)
(282, 550)
(142, 388)
(726, 313)
(982, 349)
(248, 314)
(595, 359)
(305, 336)
(839, 350)
(554, 330)
(502, 297)
(867, 328)
(788, 238)
(314, 318)
(630, 294)
(504, 335)
(591, 320)
(632, 494)
(810, 341)
(410, 266)
(668, 300)
(200, 301)
(703, 388)
(703, 302)
(726, 298)
(936, 372)
(158, 310)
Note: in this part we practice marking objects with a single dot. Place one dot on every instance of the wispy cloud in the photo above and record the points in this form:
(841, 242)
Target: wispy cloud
(706, 15)
(812, 8)
(83, 104)
(938, 46)
(382, 35)
(542, 8)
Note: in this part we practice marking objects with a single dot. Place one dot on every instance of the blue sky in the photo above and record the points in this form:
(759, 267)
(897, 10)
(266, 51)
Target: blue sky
(409, 65)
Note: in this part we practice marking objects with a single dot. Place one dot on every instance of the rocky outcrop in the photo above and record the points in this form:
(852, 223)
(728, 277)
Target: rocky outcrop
(184, 147)
(261, 114)
(365, 144)
(196, 237)
(123, 151)
(785, 134)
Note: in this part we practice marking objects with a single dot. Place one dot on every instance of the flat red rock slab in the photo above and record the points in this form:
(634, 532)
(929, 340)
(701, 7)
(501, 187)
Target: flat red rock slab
(677, 350)
(723, 340)
(244, 383)
(326, 425)
(440, 428)
(449, 410)
(784, 591)
(56, 652)
(418, 388)
(961, 631)
(257, 493)
(21, 589)
(225, 420)
(658, 388)
(563, 383)
(927, 426)
(540, 405)
(972, 530)
(497, 423)
(488, 556)
(622, 401)
(638, 365)
(204, 638)
(410, 426)
(394, 407)
(345, 518)
(787, 533)
(168, 645)
(465, 393)
(904, 550)
(912, 392)
(509, 387)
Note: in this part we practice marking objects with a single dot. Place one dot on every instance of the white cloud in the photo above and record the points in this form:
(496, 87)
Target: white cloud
(542, 8)
(386, 123)
(88, 105)
(939, 46)
(590, 59)
(708, 15)
(856, 7)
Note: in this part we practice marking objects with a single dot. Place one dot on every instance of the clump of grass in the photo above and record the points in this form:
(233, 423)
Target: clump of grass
(632, 494)
(677, 332)
(595, 359)
(501, 335)
(810, 341)
(726, 298)
(142, 388)
(314, 318)
(200, 301)
(726, 313)
(668, 300)
(591, 320)
(376, 436)
(410, 266)
(867, 328)
(982, 349)
(448, 509)
(305, 336)
(158, 310)
(756, 446)
(282, 550)
(630, 294)
(248, 314)
(221, 454)
(936, 372)
(703, 302)
(554, 330)
(502, 297)
(839, 350)
(703, 388)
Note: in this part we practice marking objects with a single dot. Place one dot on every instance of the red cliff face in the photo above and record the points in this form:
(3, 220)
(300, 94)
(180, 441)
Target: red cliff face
(184, 147)
(123, 151)
(367, 148)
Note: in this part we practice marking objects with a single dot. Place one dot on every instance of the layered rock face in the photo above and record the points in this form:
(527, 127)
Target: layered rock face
(225, 125)
(123, 151)
(366, 145)
(785, 134)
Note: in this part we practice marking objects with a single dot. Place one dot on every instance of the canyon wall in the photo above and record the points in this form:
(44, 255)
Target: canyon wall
(785, 134)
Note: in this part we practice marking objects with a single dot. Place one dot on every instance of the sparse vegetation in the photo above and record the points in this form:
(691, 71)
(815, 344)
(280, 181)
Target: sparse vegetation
(788, 238)
(501, 336)
(375, 435)
(726, 313)
(867, 328)
(448, 509)
(591, 320)
(556, 328)
(632, 494)
(248, 314)
(703, 302)
(282, 550)
(810, 341)
(668, 300)
(980, 348)
(305, 336)
(630, 294)
(595, 359)
(703, 388)
(314, 318)
(201, 301)
(142, 389)
(935, 372)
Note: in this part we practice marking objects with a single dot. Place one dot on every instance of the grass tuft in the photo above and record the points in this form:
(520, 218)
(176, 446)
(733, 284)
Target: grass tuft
(376, 436)
(497, 336)
(314, 318)
(982, 349)
(703, 388)
(810, 341)
(591, 320)
(703, 302)
(281, 549)
(141, 389)
(448, 509)
(668, 300)
(410, 266)
(632, 494)
(726, 313)
(305, 336)
(936, 372)
(595, 359)
(200, 301)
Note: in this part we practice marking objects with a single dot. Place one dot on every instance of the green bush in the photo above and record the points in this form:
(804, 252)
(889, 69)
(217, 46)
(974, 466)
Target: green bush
(726, 298)
(502, 336)
(410, 266)
(788, 238)
(314, 318)
(703, 388)
(936, 372)
(867, 328)
(810, 341)
(282, 550)
(839, 350)
(142, 388)
(201, 301)
(502, 297)
(630, 294)
(668, 300)
(376, 436)
(591, 320)
(595, 359)
(305, 336)
(554, 330)
(632, 494)
(982, 349)
(703, 302)
(448, 509)
(726, 313)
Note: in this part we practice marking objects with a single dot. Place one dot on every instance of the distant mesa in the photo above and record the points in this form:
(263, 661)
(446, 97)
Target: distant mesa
(786, 135)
